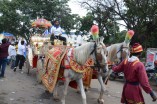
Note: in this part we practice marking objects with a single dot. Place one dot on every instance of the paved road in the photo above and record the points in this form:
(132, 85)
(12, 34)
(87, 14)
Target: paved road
(18, 88)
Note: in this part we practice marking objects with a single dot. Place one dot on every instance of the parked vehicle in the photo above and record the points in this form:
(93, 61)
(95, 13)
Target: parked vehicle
(152, 73)
(115, 76)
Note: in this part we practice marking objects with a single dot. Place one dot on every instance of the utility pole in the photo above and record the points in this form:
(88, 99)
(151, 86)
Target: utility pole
(114, 28)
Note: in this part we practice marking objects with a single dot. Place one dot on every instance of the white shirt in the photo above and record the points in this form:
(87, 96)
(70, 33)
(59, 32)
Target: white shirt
(25, 42)
(21, 50)
(56, 31)
(11, 50)
(133, 58)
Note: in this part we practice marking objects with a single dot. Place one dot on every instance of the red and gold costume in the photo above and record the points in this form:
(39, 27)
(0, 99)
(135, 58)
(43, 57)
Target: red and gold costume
(136, 77)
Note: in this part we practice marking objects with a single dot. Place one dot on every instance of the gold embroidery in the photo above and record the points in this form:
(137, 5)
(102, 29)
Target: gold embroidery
(81, 69)
(134, 102)
(135, 62)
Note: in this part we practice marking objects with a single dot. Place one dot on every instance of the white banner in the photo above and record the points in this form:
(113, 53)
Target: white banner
(151, 56)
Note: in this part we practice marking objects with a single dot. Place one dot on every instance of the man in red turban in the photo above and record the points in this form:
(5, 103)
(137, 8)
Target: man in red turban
(136, 77)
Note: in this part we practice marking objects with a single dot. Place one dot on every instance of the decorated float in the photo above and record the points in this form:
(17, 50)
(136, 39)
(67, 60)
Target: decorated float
(38, 47)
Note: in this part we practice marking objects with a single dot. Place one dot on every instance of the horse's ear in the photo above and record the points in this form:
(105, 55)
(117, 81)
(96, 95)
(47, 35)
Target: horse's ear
(99, 40)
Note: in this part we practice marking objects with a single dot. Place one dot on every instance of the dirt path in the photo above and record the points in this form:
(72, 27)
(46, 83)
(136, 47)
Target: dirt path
(18, 88)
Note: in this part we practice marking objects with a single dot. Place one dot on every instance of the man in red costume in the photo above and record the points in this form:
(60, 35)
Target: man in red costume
(136, 77)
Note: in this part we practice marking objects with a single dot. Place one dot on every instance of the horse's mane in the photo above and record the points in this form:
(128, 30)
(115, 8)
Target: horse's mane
(81, 53)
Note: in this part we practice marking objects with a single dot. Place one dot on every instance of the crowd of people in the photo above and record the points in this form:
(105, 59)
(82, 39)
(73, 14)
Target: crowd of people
(13, 53)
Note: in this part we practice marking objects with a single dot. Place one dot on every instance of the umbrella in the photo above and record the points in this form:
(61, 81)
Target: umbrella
(41, 23)
(7, 34)
(1, 37)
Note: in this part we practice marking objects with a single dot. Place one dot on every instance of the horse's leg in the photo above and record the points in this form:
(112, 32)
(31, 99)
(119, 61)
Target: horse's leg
(107, 77)
(103, 90)
(55, 92)
(67, 80)
(66, 84)
(80, 84)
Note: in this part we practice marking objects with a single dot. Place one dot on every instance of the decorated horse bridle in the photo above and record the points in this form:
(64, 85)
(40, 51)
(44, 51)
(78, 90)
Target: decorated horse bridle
(97, 64)
(121, 52)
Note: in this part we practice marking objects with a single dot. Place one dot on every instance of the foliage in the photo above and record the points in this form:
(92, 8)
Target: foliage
(86, 23)
(139, 15)
(102, 17)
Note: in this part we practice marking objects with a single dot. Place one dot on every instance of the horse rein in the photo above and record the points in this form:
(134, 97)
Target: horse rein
(97, 65)
(121, 51)
(94, 51)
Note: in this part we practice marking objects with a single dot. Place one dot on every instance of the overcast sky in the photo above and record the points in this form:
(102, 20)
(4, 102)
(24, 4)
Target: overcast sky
(76, 8)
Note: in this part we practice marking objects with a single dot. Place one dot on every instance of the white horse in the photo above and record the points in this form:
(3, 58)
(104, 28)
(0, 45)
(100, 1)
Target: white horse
(97, 51)
(116, 53)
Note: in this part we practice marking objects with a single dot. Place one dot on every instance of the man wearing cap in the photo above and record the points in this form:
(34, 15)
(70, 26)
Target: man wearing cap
(135, 75)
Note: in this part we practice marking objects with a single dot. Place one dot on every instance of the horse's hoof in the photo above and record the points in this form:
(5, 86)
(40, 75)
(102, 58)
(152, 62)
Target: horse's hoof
(86, 89)
(56, 99)
(78, 92)
(100, 101)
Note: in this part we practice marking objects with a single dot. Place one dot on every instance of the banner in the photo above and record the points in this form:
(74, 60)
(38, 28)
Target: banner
(150, 58)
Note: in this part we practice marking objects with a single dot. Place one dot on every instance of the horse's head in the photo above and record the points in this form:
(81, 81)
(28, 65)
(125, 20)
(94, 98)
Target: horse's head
(100, 55)
(119, 52)
(125, 51)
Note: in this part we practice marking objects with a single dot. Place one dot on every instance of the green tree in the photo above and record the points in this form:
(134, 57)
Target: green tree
(17, 15)
(139, 15)
(86, 23)
(103, 18)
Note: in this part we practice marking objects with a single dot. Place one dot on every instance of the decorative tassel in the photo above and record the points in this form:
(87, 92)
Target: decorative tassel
(129, 36)
(95, 32)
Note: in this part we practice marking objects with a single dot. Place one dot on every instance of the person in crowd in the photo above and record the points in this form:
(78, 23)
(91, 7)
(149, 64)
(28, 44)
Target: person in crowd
(3, 56)
(12, 54)
(16, 46)
(56, 33)
(9, 60)
(136, 77)
(46, 33)
(22, 39)
(20, 57)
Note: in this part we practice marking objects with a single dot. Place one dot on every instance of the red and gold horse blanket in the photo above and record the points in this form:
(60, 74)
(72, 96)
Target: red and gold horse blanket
(52, 64)
(53, 60)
